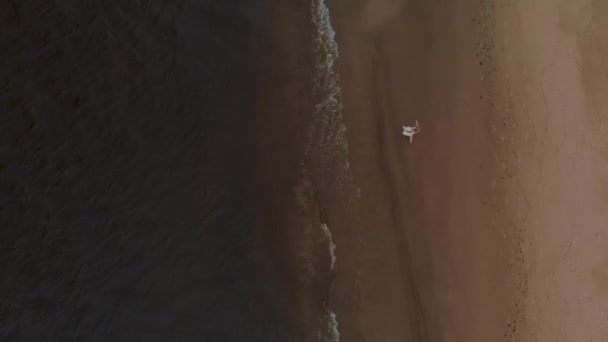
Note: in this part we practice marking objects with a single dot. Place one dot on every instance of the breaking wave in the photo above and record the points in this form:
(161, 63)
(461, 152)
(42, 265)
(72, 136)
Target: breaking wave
(331, 245)
(325, 158)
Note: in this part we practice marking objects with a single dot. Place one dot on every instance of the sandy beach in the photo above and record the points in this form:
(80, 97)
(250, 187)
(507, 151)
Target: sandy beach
(490, 225)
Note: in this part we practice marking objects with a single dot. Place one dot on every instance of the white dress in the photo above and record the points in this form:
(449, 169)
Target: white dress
(409, 131)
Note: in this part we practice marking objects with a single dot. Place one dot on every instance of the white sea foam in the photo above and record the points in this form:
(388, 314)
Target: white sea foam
(328, 130)
(327, 143)
(327, 140)
(331, 245)
(332, 327)
(331, 333)
(327, 135)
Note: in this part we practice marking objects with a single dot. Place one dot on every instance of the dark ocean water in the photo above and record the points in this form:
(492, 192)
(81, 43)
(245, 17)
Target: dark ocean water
(124, 172)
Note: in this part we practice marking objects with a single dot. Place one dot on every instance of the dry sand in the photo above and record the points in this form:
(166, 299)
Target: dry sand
(558, 65)
(491, 225)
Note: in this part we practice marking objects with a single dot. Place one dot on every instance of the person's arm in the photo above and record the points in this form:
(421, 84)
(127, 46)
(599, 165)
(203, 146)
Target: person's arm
(411, 138)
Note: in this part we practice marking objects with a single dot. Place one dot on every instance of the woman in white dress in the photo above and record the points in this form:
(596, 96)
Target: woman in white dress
(409, 131)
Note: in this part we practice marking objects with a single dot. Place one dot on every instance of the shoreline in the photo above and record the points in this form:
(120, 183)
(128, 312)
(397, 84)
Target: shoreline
(311, 192)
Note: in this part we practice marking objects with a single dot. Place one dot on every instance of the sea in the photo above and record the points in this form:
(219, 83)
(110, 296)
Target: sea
(126, 171)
